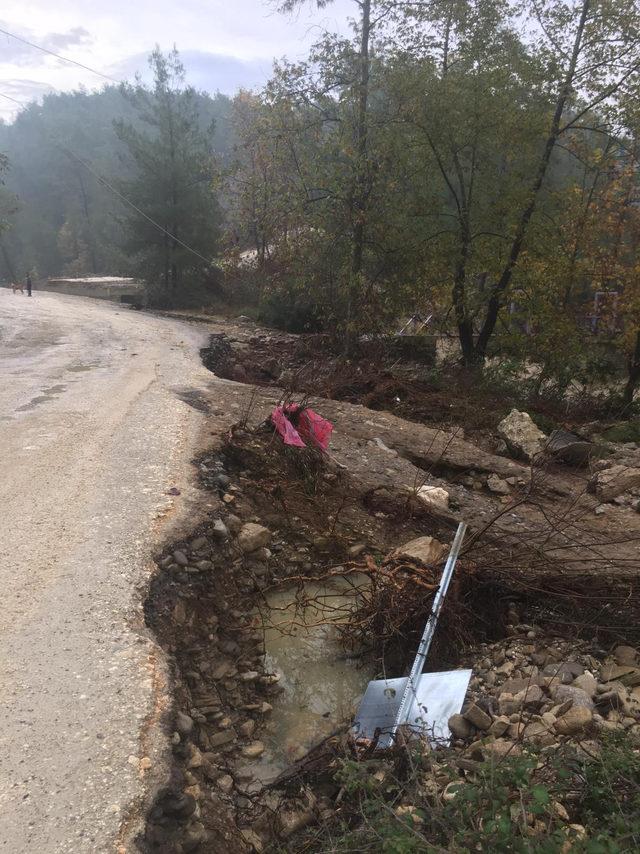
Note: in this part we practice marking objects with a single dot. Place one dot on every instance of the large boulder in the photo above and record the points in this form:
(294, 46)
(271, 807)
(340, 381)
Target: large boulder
(253, 537)
(434, 496)
(611, 482)
(523, 438)
(569, 448)
(425, 550)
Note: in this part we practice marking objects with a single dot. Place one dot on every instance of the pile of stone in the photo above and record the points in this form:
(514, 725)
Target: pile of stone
(615, 484)
(545, 692)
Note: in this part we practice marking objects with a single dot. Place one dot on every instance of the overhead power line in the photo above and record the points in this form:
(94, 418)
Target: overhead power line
(58, 56)
(120, 195)
(132, 205)
(9, 98)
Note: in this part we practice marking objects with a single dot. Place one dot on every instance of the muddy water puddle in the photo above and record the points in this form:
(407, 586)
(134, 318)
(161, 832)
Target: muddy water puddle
(321, 684)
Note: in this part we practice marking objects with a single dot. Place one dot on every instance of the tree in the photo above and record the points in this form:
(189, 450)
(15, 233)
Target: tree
(173, 223)
(8, 209)
(593, 53)
(358, 190)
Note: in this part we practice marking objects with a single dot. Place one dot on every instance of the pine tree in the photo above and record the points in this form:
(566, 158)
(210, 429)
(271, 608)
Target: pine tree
(172, 184)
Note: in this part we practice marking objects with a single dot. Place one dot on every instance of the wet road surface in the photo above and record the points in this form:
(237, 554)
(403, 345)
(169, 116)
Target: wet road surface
(93, 434)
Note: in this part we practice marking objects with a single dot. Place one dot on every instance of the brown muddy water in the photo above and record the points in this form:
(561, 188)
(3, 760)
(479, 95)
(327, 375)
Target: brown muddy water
(321, 685)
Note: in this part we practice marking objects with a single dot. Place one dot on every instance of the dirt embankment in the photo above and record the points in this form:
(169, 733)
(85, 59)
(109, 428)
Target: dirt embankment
(277, 516)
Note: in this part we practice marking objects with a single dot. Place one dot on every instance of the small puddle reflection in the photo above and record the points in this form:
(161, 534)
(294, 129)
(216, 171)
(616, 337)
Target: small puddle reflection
(48, 394)
(322, 686)
(83, 367)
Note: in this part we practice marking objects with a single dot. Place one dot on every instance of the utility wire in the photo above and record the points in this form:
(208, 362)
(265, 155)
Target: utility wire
(58, 56)
(117, 193)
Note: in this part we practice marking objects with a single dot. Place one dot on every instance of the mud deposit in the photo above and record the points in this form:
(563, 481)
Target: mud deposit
(259, 676)
(263, 690)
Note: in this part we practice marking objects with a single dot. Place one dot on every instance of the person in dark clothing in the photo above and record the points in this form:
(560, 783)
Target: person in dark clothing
(28, 285)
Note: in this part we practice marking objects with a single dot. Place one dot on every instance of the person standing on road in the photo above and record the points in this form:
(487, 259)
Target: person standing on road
(28, 284)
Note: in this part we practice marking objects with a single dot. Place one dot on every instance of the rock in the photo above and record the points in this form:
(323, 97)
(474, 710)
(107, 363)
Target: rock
(195, 760)
(198, 543)
(559, 810)
(253, 537)
(221, 670)
(249, 676)
(234, 524)
(225, 783)
(222, 481)
(500, 748)
(613, 481)
(246, 729)
(625, 655)
(611, 700)
(563, 671)
(625, 673)
(426, 550)
(291, 821)
(523, 438)
(180, 558)
(253, 750)
(587, 683)
(538, 733)
(434, 496)
(409, 811)
(476, 716)
(184, 724)
(498, 485)
(452, 790)
(380, 444)
(460, 727)
(252, 839)
(578, 831)
(569, 448)
(357, 550)
(530, 698)
(578, 697)
(219, 530)
(576, 720)
(499, 726)
(507, 704)
(194, 836)
(218, 739)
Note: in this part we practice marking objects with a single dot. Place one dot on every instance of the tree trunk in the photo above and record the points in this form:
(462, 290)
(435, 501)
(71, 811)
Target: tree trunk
(358, 202)
(7, 261)
(633, 376)
(90, 238)
(495, 301)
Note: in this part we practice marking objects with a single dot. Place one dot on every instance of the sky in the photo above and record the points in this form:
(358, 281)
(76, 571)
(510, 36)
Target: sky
(224, 44)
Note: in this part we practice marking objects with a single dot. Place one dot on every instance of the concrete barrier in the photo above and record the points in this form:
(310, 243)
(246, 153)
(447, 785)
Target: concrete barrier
(113, 288)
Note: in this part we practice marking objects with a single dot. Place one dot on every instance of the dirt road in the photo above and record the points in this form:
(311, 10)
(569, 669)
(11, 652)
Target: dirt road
(93, 434)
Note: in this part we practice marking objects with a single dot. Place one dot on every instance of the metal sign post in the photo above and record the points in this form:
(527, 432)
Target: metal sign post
(426, 701)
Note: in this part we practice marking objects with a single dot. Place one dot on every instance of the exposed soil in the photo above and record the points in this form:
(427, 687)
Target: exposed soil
(541, 547)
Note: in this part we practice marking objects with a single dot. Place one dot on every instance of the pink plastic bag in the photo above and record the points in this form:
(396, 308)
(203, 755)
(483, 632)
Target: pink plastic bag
(314, 428)
(311, 426)
(285, 428)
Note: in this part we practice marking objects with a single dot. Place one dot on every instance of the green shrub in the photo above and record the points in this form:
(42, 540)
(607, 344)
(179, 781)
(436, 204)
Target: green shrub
(291, 311)
(510, 805)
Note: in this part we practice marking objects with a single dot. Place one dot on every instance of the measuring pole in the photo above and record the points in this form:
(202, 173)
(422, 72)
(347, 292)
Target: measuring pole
(423, 649)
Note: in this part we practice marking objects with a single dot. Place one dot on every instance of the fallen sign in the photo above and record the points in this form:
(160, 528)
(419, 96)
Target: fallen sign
(422, 702)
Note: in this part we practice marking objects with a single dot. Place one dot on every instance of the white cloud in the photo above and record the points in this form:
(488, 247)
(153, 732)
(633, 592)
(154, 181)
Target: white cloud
(217, 38)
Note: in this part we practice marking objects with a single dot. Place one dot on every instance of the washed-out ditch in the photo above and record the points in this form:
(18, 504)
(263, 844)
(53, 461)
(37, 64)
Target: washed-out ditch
(273, 622)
